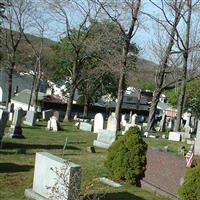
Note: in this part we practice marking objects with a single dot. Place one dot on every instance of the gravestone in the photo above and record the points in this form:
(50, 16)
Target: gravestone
(105, 138)
(84, 126)
(30, 118)
(46, 179)
(174, 136)
(129, 126)
(3, 121)
(15, 128)
(123, 120)
(98, 122)
(197, 141)
(188, 117)
(134, 119)
(47, 114)
(112, 124)
(53, 124)
(162, 123)
(57, 115)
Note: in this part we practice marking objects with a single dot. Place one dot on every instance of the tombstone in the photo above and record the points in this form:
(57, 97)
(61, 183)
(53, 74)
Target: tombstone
(53, 124)
(174, 136)
(98, 122)
(112, 124)
(134, 119)
(105, 139)
(15, 128)
(3, 121)
(123, 120)
(1, 94)
(57, 115)
(197, 141)
(85, 126)
(187, 124)
(171, 124)
(46, 178)
(30, 118)
(162, 123)
(47, 114)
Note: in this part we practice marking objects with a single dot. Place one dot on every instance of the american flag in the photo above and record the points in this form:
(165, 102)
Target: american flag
(189, 157)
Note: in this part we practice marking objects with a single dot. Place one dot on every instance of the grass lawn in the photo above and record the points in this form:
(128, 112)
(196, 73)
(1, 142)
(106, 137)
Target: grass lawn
(16, 170)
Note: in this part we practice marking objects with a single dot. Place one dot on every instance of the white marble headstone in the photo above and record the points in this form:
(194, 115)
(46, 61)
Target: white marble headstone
(174, 136)
(197, 141)
(45, 177)
(98, 122)
(112, 124)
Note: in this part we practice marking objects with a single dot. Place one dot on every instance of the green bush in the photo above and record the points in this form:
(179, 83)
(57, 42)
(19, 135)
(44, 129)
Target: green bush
(190, 189)
(126, 158)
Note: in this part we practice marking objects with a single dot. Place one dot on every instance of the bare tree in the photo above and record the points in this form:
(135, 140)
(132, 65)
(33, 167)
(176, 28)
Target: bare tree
(169, 25)
(186, 49)
(17, 16)
(76, 32)
(125, 14)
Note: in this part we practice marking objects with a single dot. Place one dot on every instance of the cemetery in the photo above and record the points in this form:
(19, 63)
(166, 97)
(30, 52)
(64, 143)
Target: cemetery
(99, 100)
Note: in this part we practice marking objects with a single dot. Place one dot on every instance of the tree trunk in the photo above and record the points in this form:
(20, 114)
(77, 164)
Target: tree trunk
(36, 95)
(70, 103)
(31, 95)
(10, 80)
(120, 96)
(152, 111)
(86, 107)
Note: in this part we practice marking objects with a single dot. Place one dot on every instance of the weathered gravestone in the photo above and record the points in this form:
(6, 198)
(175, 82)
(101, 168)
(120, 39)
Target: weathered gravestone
(53, 124)
(98, 122)
(123, 120)
(112, 124)
(134, 119)
(129, 126)
(47, 114)
(53, 172)
(174, 136)
(3, 121)
(85, 126)
(105, 139)
(30, 118)
(197, 141)
(57, 115)
(15, 128)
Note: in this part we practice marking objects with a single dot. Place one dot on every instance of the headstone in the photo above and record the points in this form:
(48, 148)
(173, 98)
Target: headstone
(112, 124)
(162, 123)
(46, 178)
(188, 117)
(30, 117)
(123, 120)
(85, 126)
(174, 136)
(98, 122)
(53, 124)
(15, 128)
(57, 115)
(105, 139)
(197, 141)
(134, 119)
(47, 114)
(3, 121)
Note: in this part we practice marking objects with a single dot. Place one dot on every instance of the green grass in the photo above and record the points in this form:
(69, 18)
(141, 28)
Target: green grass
(16, 170)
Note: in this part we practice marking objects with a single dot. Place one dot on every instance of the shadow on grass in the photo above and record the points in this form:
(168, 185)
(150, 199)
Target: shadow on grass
(12, 168)
(37, 146)
(116, 196)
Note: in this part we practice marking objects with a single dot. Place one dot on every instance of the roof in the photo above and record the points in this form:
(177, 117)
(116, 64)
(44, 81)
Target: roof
(22, 81)
(24, 96)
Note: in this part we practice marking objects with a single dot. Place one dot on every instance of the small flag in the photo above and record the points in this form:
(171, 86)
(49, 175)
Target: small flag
(189, 157)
